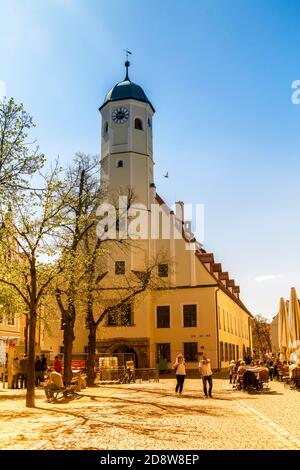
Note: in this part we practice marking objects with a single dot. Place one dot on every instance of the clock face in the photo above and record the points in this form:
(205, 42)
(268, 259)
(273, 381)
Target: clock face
(120, 115)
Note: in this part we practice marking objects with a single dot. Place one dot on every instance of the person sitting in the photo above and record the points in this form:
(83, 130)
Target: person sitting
(294, 371)
(54, 383)
(231, 371)
(240, 373)
(285, 370)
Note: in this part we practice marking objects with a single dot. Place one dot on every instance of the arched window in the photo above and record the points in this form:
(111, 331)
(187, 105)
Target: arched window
(120, 164)
(138, 124)
(105, 127)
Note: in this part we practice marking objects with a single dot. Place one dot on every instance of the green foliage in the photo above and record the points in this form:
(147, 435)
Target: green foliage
(261, 335)
(18, 158)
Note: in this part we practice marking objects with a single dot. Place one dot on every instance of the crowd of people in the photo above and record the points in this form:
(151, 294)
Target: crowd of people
(20, 370)
(252, 373)
(243, 374)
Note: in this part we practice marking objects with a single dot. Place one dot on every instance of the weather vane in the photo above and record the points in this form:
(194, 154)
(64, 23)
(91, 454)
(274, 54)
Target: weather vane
(127, 53)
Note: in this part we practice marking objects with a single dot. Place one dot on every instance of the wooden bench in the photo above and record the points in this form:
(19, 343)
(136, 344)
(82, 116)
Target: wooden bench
(67, 393)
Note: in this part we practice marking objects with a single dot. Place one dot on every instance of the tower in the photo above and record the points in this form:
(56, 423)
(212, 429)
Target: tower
(126, 140)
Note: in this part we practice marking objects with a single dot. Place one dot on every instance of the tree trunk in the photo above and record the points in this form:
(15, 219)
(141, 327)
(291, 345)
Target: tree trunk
(91, 374)
(68, 349)
(26, 335)
(30, 397)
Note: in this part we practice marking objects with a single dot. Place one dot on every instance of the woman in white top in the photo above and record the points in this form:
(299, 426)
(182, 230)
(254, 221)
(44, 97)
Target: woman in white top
(179, 367)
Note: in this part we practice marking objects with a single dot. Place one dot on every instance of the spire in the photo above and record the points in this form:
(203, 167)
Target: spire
(127, 63)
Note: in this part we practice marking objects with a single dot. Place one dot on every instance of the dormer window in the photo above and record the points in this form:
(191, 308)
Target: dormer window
(120, 164)
(138, 124)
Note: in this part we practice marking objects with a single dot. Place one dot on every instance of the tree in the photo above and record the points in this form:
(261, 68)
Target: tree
(18, 158)
(261, 335)
(28, 255)
(82, 187)
(98, 308)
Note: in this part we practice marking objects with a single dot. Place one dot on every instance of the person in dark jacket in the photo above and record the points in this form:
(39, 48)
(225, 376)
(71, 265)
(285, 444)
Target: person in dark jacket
(39, 371)
(44, 362)
(24, 371)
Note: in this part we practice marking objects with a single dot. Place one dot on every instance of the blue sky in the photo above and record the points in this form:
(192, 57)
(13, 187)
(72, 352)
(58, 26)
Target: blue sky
(219, 74)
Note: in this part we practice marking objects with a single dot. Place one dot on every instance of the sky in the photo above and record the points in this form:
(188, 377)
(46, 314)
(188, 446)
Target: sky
(219, 74)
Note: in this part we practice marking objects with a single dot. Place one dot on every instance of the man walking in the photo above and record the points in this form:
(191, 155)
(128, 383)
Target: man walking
(24, 370)
(206, 374)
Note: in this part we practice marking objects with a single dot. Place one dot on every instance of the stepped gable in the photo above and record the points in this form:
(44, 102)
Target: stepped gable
(226, 284)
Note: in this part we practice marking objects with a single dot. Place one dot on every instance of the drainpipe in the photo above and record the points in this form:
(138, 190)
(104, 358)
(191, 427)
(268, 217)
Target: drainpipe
(250, 338)
(217, 327)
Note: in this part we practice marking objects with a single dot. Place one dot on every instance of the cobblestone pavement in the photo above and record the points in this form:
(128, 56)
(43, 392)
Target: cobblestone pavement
(149, 416)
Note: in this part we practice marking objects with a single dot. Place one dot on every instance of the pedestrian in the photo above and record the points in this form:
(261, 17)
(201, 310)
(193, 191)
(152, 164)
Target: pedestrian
(179, 367)
(24, 370)
(57, 365)
(15, 372)
(271, 369)
(39, 371)
(206, 374)
(44, 362)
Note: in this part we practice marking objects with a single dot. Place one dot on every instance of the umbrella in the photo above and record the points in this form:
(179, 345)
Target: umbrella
(283, 330)
(294, 320)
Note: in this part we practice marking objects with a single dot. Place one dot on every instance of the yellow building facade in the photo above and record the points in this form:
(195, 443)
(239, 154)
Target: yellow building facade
(196, 308)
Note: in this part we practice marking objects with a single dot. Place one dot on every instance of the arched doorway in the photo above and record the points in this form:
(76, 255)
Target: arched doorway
(125, 353)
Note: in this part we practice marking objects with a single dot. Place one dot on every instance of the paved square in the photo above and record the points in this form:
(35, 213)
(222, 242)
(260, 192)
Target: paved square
(148, 416)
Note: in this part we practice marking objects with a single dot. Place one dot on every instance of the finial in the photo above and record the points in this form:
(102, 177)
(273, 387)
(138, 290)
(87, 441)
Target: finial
(127, 63)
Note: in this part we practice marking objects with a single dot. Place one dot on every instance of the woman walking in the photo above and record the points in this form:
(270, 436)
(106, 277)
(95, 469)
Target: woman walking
(179, 367)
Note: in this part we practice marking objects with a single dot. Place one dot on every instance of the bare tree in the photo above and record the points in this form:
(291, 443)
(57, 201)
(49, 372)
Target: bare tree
(99, 307)
(82, 185)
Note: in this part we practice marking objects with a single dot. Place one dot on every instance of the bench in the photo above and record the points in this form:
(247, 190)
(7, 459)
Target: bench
(66, 393)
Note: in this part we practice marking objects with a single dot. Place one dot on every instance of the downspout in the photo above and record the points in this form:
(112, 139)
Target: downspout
(217, 327)
(250, 336)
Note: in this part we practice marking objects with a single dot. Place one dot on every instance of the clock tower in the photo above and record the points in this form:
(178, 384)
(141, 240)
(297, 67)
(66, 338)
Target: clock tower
(126, 140)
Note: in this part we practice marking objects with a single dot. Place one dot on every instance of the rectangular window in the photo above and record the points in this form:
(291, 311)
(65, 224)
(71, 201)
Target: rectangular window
(236, 352)
(189, 315)
(219, 317)
(163, 351)
(224, 323)
(163, 316)
(226, 352)
(120, 267)
(221, 351)
(10, 318)
(121, 317)
(190, 352)
(163, 270)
